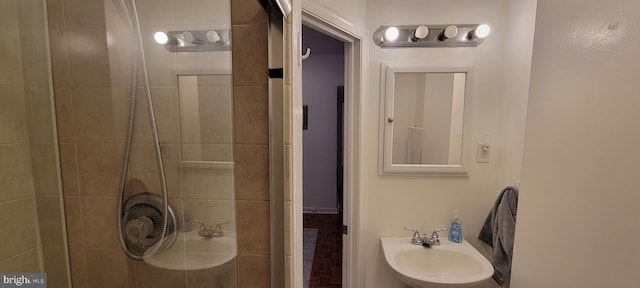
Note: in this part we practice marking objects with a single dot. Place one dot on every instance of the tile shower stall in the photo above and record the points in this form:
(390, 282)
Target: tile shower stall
(65, 87)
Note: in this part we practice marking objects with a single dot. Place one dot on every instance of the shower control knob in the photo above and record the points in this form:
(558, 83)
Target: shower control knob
(138, 229)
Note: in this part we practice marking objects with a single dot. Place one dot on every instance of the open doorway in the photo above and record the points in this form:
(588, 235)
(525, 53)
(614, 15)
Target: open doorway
(323, 80)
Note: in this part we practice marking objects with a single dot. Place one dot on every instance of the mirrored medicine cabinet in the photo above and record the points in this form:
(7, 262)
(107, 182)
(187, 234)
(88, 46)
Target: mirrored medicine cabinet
(423, 116)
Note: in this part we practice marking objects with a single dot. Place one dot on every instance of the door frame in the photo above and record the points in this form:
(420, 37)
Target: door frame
(315, 15)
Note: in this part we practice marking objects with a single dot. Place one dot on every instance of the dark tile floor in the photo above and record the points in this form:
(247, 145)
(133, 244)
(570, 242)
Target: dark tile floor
(327, 259)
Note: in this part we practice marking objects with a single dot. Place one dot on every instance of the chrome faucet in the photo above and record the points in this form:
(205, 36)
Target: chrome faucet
(432, 240)
(210, 232)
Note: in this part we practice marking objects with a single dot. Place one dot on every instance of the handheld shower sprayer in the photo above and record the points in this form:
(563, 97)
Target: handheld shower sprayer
(156, 240)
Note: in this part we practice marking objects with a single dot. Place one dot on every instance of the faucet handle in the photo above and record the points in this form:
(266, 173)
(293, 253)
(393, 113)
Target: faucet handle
(202, 225)
(415, 231)
(217, 232)
(219, 225)
(415, 239)
(434, 234)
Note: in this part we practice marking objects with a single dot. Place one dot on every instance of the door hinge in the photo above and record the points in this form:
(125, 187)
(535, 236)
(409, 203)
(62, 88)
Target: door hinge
(344, 229)
(277, 73)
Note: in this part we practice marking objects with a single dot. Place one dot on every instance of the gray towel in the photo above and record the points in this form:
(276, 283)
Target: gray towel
(498, 232)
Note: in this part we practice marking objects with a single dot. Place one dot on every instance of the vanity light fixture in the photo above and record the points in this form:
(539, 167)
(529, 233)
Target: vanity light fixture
(458, 35)
(195, 40)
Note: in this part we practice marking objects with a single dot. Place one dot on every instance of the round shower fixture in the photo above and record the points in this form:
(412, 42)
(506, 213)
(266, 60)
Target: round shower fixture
(142, 224)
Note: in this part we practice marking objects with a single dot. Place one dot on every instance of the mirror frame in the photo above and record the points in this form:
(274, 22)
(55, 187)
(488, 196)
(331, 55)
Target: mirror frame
(387, 86)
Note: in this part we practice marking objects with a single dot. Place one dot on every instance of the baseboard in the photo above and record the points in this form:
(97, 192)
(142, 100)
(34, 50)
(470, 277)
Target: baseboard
(320, 210)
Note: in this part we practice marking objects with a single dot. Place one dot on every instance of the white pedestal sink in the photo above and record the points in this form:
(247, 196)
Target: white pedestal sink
(193, 252)
(449, 265)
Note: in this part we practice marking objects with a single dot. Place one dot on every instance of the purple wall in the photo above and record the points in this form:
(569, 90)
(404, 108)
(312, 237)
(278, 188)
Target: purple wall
(321, 74)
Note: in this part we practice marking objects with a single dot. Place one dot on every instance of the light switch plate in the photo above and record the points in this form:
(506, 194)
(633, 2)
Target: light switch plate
(483, 152)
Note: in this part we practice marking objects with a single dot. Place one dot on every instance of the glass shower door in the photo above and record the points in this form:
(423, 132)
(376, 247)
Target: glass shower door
(100, 60)
(33, 229)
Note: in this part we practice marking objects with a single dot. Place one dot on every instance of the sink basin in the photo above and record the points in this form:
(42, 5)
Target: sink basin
(193, 252)
(448, 265)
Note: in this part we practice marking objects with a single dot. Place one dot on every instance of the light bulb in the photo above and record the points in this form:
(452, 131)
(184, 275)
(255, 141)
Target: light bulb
(450, 32)
(188, 37)
(213, 36)
(482, 31)
(420, 33)
(161, 37)
(391, 34)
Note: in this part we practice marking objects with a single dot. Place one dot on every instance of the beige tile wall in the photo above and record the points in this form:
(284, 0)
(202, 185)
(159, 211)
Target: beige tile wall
(33, 238)
(251, 151)
(19, 251)
(20, 239)
(90, 65)
(44, 152)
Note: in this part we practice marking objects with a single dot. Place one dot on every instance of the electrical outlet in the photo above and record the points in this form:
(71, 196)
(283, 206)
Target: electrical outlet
(482, 154)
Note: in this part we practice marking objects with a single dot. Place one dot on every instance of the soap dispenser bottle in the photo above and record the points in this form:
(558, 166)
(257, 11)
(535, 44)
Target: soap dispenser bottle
(455, 231)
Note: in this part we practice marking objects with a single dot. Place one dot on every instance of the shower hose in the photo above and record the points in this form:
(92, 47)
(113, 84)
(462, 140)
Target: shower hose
(131, 16)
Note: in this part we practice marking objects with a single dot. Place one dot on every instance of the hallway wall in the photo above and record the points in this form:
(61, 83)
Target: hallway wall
(322, 72)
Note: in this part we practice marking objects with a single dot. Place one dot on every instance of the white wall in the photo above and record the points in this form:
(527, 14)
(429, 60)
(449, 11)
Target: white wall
(577, 220)
(321, 75)
(426, 202)
(518, 46)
